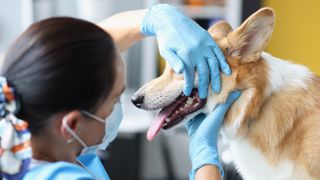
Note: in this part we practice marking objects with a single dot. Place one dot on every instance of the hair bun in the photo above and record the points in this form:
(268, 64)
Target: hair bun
(8, 98)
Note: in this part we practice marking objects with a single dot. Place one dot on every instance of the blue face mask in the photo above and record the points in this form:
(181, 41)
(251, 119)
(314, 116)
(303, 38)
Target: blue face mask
(112, 124)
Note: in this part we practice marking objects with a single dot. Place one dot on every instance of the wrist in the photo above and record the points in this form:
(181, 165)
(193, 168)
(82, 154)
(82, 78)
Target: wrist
(206, 172)
(124, 28)
(214, 169)
(205, 154)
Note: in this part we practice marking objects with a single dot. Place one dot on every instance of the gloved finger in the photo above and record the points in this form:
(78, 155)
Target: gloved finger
(173, 59)
(188, 74)
(221, 59)
(203, 74)
(214, 74)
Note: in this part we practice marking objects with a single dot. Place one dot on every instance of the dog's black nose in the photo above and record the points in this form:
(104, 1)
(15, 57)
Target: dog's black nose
(137, 100)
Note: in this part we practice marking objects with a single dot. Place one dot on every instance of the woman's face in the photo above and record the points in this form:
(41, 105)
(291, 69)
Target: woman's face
(106, 107)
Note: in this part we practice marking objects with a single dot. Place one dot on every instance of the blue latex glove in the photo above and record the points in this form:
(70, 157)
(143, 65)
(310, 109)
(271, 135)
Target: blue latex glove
(186, 47)
(203, 133)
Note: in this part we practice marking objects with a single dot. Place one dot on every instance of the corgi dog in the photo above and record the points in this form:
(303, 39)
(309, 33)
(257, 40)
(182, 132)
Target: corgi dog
(273, 128)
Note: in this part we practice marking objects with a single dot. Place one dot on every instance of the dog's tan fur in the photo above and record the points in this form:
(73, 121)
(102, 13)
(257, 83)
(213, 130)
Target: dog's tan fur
(283, 124)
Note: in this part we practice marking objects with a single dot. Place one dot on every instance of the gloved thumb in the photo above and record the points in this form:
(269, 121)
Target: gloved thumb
(213, 121)
(193, 124)
(173, 59)
(232, 97)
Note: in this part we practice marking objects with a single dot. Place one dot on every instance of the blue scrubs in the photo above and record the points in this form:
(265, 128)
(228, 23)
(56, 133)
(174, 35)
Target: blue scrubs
(63, 170)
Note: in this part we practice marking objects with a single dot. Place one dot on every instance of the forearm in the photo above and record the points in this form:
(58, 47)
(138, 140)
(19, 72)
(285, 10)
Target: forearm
(124, 28)
(208, 172)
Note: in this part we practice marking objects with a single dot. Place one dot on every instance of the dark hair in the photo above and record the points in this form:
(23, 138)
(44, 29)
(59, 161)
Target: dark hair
(57, 65)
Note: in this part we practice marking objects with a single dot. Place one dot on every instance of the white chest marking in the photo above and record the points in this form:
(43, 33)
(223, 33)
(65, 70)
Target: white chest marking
(252, 165)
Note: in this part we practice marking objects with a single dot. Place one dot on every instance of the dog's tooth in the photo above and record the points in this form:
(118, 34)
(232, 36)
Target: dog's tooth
(196, 104)
(190, 100)
(167, 119)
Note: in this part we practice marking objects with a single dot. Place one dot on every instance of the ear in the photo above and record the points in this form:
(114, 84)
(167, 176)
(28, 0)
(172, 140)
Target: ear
(70, 119)
(252, 37)
(220, 30)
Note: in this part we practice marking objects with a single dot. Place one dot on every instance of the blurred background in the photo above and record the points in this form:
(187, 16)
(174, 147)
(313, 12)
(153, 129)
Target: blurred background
(131, 156)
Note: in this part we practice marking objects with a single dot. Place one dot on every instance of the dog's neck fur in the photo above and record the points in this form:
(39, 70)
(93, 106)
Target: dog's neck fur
(275, 133)
(282, 98)
(283, 77)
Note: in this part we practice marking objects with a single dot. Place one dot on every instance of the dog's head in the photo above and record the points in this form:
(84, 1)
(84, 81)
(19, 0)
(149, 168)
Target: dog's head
(242, 49)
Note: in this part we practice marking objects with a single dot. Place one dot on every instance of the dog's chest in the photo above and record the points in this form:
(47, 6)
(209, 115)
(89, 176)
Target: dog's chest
(252, 165)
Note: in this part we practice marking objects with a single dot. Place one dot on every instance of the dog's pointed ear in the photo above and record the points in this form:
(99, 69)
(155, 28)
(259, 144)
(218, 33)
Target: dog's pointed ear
(220, 30)
(252, 37)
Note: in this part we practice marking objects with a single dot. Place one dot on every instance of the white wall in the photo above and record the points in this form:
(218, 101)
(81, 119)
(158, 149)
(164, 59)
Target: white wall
(10, 22)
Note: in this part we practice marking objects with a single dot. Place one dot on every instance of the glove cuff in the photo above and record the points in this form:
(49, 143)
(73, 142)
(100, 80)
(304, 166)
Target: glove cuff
(145, 28)
(149, 21)
(204, 156)
(192, 173)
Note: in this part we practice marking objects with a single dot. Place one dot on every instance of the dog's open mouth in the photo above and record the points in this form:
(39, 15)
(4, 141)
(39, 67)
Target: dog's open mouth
(174, 113)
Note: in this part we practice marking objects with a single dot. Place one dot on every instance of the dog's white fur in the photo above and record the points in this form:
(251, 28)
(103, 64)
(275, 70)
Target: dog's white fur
(283, 73)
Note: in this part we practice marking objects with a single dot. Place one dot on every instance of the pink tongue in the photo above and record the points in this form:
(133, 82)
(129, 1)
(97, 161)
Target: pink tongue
(156, 126)
(159, 121)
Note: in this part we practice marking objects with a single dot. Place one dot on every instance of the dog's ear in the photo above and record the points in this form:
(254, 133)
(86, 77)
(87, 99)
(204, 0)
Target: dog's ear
(251, 38)
(220, 30)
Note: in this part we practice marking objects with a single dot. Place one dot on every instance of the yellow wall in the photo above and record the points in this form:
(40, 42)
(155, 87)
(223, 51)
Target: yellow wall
(297, 31)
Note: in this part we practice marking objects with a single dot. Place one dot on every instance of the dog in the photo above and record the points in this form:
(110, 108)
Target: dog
(273, 128)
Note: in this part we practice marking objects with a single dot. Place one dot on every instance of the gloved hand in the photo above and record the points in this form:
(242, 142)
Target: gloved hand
(203, 132)
(186, 47)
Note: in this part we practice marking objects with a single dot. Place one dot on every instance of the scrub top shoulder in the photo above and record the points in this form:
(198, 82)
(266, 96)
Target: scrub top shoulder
(58, 170)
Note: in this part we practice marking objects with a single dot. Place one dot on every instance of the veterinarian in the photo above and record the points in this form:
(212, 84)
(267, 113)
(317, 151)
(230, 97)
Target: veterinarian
(60, 86)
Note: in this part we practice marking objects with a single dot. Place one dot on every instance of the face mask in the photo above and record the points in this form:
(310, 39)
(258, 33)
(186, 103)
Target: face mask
(112, 123)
